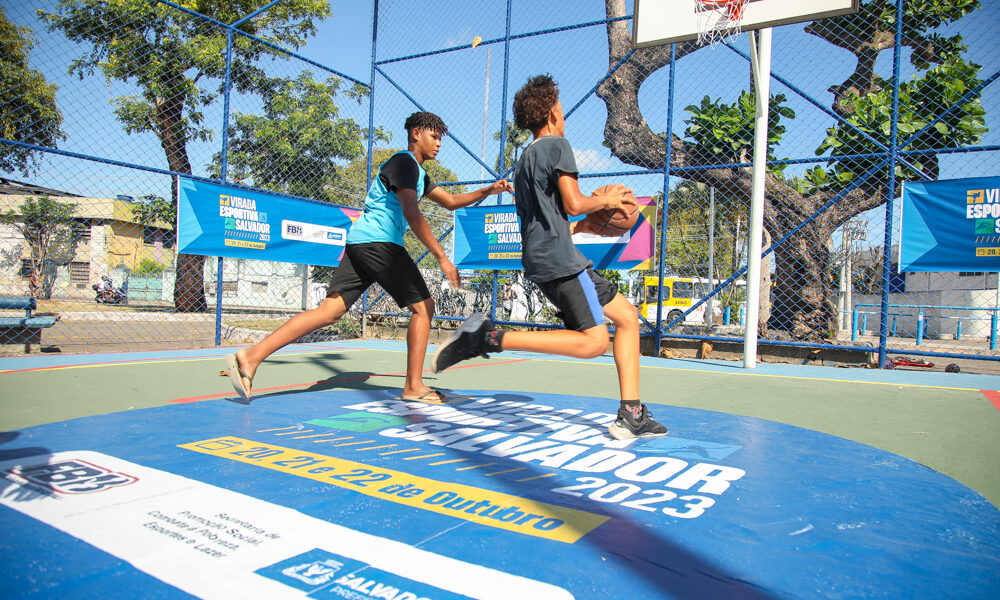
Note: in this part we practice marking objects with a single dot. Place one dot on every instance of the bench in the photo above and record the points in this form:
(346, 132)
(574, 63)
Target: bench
(26, 330)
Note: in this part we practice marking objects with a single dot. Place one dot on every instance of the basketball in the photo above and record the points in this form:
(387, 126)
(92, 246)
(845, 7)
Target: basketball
(611, 223)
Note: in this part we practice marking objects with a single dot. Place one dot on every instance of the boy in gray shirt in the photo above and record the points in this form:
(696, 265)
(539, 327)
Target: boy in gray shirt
(547, 194)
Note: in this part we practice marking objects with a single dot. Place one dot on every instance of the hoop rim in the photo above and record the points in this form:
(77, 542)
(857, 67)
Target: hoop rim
(728, 24)
(732, 8)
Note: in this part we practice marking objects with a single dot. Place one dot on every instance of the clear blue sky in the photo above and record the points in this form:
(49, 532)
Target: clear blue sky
(453, 84)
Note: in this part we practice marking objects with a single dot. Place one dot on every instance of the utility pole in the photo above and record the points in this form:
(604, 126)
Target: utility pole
(486, 111)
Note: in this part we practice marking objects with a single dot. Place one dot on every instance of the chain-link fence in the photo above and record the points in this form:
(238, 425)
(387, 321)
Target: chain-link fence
(678, 121)
(859, 104)
(105, 105)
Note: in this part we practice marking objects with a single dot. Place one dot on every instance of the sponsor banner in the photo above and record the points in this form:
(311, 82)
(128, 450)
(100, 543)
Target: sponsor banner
(216, 543)
(216, 220)
(950, 225)
(489, 237)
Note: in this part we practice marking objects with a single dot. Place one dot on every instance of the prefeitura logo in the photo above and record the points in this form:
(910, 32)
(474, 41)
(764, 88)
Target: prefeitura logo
(72, 477)
(323, 574)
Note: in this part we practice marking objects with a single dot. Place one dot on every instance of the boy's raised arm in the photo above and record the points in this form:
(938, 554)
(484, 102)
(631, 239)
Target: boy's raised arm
(454, 201)
(577, 204)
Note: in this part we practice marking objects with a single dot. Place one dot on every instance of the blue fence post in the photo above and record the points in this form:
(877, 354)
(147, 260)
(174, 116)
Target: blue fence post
(897, 55)
(726, 315)
(958, 330)
(920, 327)
(741, 318)
(864, 324)
(503, 113)
(665, 208)
(223, 167)
(503, 135)
(854, 324)
(894, 325)
(371, 139)
(993, 330)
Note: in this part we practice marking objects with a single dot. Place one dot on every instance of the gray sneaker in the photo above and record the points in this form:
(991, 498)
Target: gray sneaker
(468, 341)
(629, 426)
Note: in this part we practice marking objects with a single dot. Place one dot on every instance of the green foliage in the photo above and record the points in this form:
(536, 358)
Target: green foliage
(921, 100)
(300, 144)
(615, 277)
(41, 219)
(28, 111)
(153, 211)
(177, 63)
(172, 56)
(148, 267)
(47, 227)
(688, 224)
(919, 17)
(946, 78)
(515, 141)
(724, 133)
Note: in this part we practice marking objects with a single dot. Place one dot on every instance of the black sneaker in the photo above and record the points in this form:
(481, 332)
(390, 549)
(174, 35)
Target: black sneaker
(467, 342)
(627, 426)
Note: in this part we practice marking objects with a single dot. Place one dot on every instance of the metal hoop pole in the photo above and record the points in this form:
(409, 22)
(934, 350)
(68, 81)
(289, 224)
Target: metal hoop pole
(761, 53)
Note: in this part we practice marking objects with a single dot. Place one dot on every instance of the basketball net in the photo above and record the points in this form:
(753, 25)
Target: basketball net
(718, 20)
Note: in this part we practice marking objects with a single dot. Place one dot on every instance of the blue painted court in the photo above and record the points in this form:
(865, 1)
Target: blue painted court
(335, 488)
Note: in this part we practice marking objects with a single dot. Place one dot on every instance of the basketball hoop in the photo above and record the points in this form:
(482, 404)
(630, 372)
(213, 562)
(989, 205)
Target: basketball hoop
(718, 20)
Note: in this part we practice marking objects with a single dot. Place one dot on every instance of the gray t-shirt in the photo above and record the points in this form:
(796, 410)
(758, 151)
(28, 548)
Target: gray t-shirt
(547, 248)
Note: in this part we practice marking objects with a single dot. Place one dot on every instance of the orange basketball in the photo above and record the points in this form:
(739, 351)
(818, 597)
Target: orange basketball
(608, 222)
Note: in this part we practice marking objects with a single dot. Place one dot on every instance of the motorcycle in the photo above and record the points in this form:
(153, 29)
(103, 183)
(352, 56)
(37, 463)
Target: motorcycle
(106, 292)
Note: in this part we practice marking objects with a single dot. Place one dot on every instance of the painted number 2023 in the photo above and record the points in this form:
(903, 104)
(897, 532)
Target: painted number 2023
(632, 496)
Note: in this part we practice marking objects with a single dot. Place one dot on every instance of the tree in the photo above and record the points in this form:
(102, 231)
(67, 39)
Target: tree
(687, 248)
(803, 294)
(300, 144)
(48, 228)
(155, 212)
(687, 251)
(515, 141)
(177, 63)
(28, 111)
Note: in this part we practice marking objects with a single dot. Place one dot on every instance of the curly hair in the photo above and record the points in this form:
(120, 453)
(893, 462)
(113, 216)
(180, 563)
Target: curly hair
(425, 120)
(533, 102)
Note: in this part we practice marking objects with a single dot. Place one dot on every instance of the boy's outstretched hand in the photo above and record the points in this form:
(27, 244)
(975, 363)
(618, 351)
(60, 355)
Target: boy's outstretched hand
(612, 196)
(500, 186)
(451, 272)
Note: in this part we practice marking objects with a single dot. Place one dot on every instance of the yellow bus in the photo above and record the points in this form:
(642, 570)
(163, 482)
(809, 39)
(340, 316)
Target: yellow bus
(680, 294)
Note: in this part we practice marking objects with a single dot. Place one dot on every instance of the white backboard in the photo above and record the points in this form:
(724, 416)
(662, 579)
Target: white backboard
(657, 22)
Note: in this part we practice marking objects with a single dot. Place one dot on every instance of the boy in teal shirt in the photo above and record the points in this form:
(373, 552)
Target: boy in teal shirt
(375, 254)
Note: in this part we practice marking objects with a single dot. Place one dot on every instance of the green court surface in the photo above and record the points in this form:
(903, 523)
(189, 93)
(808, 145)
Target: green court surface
(948, 422)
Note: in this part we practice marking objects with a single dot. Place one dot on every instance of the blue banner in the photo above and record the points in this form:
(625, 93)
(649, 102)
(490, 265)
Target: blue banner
(489, 237)
(216, 220)
(951, 225)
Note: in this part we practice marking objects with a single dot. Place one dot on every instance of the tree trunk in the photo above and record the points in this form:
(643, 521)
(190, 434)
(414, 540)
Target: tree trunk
(189, 284)
(764, 313)
(803, 298)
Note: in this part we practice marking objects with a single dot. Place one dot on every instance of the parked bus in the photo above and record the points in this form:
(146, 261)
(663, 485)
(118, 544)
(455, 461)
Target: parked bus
(681, 293)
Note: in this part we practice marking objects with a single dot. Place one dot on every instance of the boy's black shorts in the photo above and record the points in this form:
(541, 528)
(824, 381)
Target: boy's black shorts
(580, 298)
(384, 263)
